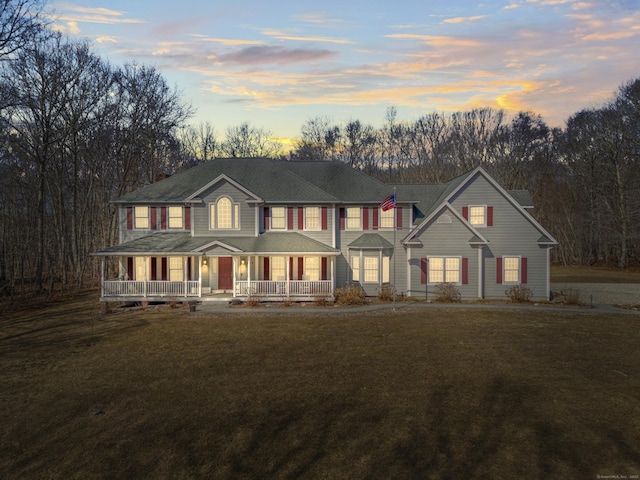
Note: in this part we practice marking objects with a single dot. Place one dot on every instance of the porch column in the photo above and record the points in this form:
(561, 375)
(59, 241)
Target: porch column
(408, 271)
(186, 279)
(249, 275)
(102, 277)
(333, 273)
(480, 272)
(286, 269)
(234, 275)
(200, 276)
(144, 287)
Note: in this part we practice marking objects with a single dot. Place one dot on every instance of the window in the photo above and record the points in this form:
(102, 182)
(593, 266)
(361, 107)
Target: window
(371, 269)
(141, 217)
(175, 217)
(353, 218)
(143, 268)
(312, 268)
(477, 216)
(312, 218)
(224, 215)
(444, 269)
(511, 269)
(278, 218)
(385, 269)
(278, 268)
(386, 218)
(175, 269)
(355, 268)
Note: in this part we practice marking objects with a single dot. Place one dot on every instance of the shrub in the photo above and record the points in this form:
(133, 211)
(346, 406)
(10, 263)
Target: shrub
(447, 293)
(573, 297)
(519, 294)
(386, 292)
(350, 295)
(252, 301)
(320, 300)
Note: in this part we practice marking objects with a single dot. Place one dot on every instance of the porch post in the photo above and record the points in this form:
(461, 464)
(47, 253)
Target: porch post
(480, 272)
(144, 285)
(200, 276)
(249, 275)
(233, 267)
(286, 269)
(102, 277)
(186, 280)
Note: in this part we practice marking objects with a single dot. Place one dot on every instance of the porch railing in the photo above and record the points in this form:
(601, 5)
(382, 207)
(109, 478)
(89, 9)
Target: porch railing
(152, 288)
(283, 288)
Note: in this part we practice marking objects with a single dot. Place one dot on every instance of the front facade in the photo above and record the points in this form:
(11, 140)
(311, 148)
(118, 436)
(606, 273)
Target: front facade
(276, 230)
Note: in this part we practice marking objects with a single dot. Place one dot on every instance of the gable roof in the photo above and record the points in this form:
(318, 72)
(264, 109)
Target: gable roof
(476, 237)
(268, 180)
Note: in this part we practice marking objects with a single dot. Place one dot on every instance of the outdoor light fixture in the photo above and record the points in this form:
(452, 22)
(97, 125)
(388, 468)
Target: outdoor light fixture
(204, 262)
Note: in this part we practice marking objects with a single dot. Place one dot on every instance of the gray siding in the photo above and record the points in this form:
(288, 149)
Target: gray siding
(444, 240)
(200, 212)
(512, 234)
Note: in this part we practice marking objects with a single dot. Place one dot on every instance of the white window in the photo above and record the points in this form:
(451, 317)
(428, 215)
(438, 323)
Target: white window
(224, 215)
(141, 217)
(385, 270)
(477, 216)
(175, 217)
(444, 269)
(371, 269)
(511, 269)
(354, 220)
(278, 218)
(312, 268)
(278, 268)
(312, 218)
(386, 218)
(355, 268)
(176, 270)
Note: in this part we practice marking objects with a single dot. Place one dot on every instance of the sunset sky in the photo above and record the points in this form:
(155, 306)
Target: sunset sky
(278, 64)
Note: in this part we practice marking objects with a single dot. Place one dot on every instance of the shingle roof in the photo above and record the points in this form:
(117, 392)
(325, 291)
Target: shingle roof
(271, 180)
(165, 243)
(370, 240)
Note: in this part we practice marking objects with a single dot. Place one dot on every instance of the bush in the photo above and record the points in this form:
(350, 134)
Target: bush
(573, 297)
(320, 300)
(447, 293)
(386, 292)
(350, 295)
(519, 294)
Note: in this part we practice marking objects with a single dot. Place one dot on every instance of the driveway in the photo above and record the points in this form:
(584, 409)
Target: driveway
(604, 293)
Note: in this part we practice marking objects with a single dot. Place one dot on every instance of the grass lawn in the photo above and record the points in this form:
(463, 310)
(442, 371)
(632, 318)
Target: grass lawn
(420, 393)
(593, 274)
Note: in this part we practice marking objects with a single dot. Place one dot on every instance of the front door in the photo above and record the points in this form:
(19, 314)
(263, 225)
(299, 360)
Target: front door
(225, 273)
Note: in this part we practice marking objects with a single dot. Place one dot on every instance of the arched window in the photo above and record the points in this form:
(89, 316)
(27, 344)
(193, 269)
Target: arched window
(224, 213)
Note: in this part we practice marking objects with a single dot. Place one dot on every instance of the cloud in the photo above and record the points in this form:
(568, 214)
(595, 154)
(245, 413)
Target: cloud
(438, 40)
(285, 36)
(258, 55)
(464, 19)
(227, 41)
(79, 14)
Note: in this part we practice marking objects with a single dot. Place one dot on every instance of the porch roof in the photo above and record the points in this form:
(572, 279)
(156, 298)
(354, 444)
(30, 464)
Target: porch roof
(370, 240)
(172, 243)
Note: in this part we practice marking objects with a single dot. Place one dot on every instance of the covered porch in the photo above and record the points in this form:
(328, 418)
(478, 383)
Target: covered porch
(272, 267)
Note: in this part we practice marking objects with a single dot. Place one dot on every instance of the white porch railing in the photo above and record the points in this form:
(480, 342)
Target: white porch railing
(283, 288)
(152, 288)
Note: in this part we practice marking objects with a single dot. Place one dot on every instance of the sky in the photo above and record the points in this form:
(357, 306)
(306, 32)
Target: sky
(278, 64)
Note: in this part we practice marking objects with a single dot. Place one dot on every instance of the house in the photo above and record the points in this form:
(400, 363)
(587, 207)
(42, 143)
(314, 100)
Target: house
(279, 230)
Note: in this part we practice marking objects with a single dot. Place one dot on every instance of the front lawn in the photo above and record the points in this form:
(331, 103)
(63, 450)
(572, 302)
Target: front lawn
(419, 393)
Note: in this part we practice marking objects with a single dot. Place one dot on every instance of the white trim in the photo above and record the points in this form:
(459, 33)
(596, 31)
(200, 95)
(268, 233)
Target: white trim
(305, 228)
(219, 179)
(444, 269)
(414, 232)
(480, 271)
(408, 270)
(504, 267)
(346, 220)
(478, 225)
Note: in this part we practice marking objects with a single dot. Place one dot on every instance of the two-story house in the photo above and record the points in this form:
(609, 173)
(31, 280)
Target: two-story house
(279, 230)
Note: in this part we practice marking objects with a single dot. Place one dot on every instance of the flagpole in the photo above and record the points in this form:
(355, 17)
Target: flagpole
(395, 215)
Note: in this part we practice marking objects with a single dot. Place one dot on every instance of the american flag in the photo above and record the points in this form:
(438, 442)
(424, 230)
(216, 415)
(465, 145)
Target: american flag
(388, 203)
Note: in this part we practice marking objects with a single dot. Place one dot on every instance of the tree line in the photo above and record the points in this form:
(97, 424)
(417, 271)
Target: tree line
(76, 132)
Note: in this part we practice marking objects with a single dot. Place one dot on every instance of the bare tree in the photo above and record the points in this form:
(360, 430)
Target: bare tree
(246, 141)
(20, 22)
(199, 143)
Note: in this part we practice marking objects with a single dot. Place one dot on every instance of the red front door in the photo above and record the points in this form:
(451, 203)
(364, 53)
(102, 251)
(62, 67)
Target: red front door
(225, 273)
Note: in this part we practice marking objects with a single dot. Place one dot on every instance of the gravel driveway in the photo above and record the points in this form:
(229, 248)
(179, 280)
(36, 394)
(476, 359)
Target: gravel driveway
(604, 293)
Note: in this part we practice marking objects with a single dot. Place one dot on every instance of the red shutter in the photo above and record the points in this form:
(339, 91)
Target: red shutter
(300, 218)
(465, 213)
(489, 216)
(154, 218)
(187, 218)
(290, 218)
(129, 218)
(399, 218)
(164, 269)
(365, 218)
(189, 268)
(163, 218)
(325, 223)
(375, 212)
(291, 268)
(465, 271)
(324, 268)
(154, 268)
(300, 267)
(523, 266)
(499, 270)
(266, 268)
(342, 218)
(266, 218)
(423, 271)
(130, 268)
